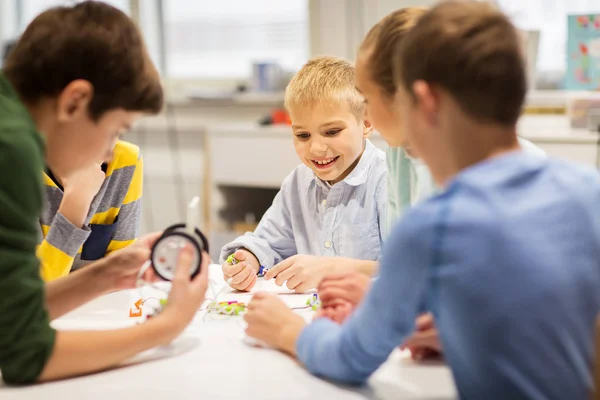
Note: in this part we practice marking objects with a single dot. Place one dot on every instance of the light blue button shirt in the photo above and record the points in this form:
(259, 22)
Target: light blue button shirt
(507, 260)
(309, 216)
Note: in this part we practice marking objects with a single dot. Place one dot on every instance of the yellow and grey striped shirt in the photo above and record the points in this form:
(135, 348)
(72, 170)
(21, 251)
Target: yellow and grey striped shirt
(112, 222)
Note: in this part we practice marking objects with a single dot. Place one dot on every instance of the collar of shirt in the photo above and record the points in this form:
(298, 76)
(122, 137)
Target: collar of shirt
(496, 168)
(416, 161)
(358, 175)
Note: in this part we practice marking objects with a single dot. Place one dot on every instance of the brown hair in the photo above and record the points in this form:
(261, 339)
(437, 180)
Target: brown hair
(325, 79)
(91, 41)
(473, 51)
(382, 41)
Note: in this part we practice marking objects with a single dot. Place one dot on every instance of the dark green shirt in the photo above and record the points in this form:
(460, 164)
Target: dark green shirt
(26, 338)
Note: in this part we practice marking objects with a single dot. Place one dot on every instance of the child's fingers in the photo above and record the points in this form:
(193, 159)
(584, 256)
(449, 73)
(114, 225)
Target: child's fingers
(148, 240)
(334, 303)
(184, 263)
(278, 268)
(333, 293)
(232, 270)
(425, 321)
(240, 255)
(329, 313)
(252, 283)
(340, 314)
(201, 280)
(428, 339)
(303, 287)
(243, 285)
(345, 306)
(424, 353)
(151, 276)
(242, 275)
(344, 283)
(259, 300)
(252, 305)
(416, 354)
(335, 277)
(294, 282)
(286, 275)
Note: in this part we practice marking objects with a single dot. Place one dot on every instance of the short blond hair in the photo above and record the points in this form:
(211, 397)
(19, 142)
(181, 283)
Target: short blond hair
(325, 79)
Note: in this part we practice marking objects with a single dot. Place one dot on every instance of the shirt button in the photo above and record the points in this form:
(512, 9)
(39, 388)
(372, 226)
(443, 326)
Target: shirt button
(324, 202)
(327, 244)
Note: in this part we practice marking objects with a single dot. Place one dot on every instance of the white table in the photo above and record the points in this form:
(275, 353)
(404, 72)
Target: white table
(213, 360)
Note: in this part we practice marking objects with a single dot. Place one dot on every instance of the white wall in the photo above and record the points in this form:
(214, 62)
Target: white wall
(338, 26)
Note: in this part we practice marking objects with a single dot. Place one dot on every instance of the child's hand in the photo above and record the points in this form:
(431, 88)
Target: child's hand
(302, 272)
(425, 342)
(340, 293)
(80, 188)
(84, 184)
(271, 321)
(243, 274)
(119, 269)
(147, 241)
(343, 286)
(337, 312)
(186, 295)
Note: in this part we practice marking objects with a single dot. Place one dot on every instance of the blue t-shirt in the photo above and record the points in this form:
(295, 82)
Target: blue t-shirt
(508, 260)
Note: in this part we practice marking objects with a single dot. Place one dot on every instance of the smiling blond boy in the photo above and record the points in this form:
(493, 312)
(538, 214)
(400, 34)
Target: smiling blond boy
(329, 213)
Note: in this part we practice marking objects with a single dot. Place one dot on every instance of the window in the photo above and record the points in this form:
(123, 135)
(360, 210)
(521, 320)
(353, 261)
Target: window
(549, 17)
(8, 24)
(15, 15)
(221, 39)
(200, 40)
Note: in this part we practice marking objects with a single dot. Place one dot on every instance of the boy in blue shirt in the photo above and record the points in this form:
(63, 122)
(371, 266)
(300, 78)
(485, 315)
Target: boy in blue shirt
(329, 214)
(506, 258)
(409, 180)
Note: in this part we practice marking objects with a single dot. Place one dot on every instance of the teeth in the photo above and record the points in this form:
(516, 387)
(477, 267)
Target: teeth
(324, 162)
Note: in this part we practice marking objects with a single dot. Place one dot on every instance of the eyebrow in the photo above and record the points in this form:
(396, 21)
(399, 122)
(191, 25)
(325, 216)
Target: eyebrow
(332, 123)
(358, 90)
(336, 122)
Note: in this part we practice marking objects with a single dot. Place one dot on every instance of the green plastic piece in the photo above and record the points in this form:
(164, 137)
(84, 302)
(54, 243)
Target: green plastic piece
(313, 302)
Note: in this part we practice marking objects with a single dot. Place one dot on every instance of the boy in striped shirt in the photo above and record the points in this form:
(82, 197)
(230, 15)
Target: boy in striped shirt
(91, 213)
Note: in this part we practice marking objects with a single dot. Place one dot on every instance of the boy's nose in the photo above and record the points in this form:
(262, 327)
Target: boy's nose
(318, 146)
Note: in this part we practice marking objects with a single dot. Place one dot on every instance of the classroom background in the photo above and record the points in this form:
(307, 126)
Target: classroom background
(223, 134)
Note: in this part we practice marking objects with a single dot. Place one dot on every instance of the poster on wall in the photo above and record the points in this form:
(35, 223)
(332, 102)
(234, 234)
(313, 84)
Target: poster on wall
(583, 52)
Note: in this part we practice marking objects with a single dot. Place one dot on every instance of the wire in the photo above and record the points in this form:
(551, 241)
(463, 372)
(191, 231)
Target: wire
(216, 298)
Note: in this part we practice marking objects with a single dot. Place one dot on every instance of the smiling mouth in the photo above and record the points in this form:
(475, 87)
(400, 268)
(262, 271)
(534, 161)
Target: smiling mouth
(325, 162)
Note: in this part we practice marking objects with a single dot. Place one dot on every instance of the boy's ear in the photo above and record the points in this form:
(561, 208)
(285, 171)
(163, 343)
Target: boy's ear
(367, 128)
(74, 100)
(426, 100)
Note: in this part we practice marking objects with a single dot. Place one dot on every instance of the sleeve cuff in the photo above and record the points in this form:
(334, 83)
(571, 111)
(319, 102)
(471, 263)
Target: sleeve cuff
(309, 335)
(65, 236)
(248, 243)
